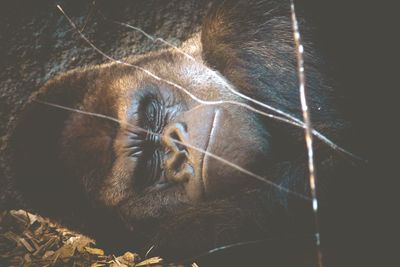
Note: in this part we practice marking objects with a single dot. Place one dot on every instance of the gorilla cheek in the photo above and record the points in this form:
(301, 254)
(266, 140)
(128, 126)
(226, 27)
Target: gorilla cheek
(241, 145)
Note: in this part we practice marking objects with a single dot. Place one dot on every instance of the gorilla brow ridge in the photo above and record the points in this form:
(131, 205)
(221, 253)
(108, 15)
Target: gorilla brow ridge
(224, 161)
(289, 118)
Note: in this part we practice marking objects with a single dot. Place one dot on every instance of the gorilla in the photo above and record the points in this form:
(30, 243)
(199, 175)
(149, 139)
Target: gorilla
(171, 150)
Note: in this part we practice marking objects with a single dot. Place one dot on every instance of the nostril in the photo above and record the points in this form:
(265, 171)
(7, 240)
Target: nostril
(176, 165)
(174, 137)
(175, 160)
(177, 140)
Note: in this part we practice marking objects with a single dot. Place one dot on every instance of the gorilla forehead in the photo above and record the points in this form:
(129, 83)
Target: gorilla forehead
(179, 70)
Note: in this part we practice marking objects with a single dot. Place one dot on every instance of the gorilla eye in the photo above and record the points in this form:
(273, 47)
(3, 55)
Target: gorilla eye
(152, 113)
(150, 166)
(153, 167)
(152, 117)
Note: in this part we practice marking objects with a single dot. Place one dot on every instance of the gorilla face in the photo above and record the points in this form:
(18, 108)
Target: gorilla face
(155, 159)
(161, 150)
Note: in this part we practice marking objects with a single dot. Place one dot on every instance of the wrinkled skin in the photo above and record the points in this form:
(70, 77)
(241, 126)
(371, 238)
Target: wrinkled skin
(147, 177)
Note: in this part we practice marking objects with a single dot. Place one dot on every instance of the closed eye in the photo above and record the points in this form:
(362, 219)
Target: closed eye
(151, 113)
(146, 147)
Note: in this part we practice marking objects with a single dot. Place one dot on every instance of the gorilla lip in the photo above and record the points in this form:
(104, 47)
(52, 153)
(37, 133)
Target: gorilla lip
(204, 175)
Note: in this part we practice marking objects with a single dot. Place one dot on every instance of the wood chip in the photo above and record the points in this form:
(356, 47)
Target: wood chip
(150, 262)
(43, 243)
(26, 244)
(94, 251)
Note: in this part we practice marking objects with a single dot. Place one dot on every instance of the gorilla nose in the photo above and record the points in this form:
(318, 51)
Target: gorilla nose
(185, 143)
(204, 147)
(177, 167)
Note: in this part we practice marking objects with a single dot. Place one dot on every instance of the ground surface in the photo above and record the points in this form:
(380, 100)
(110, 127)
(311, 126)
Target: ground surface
(30, 240)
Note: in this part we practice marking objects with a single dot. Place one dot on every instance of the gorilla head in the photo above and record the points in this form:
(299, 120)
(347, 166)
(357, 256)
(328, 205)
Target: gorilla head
(160, 149)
